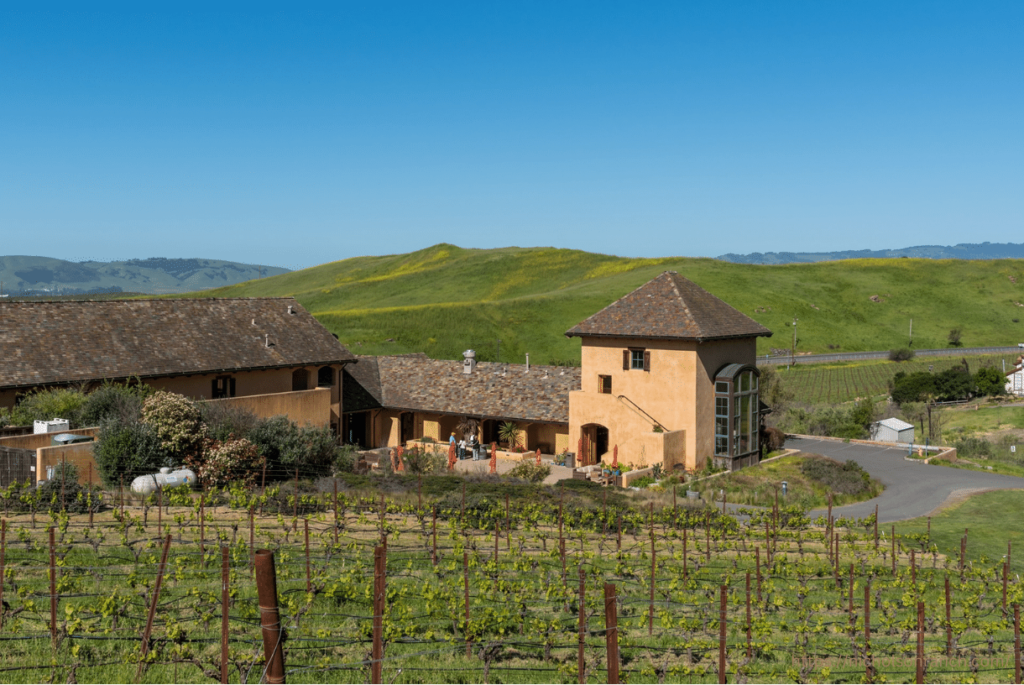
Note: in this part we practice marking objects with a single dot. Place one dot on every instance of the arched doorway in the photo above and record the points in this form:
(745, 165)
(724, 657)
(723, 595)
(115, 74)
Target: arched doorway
(595, 442)
(325, 377)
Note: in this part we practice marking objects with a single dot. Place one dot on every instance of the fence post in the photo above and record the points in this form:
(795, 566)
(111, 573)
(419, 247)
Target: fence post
(159, 511)
(650, 610)
(721, 633)
(894, 549)
(1005, 571)
(757, 565)
(465, 577)
(497, 536)
(611, 632)
(867, 632)
(920, 642)
(202, 528)
(876, 527)
(270, 621)
(3, 552)
(252, 542)
(89, 497)
(618, 538)
(949, 623)
(750, 650)
(225, 578)
(508, 524)
(581, 665)
(853, 617)
(152, 606)
(1016, 643)
(295, 506)
(335, 510)
(684, 554)
(63, 477)
(263, 488)
(434, 554)
(377, 653)
(53, 589)
(305, 528)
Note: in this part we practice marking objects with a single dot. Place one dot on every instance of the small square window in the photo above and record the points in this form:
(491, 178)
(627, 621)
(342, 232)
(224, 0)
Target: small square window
(636, 359)
(722, 387)
(604, 385)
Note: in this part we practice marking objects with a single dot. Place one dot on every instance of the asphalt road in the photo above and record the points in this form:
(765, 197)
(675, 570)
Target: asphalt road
(884, 354)
(912, 488)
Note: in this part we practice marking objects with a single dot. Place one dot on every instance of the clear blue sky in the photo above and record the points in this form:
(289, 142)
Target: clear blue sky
(299, 133)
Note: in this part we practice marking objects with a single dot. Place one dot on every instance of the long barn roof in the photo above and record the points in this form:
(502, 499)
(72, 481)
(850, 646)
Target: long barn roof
(45, 343)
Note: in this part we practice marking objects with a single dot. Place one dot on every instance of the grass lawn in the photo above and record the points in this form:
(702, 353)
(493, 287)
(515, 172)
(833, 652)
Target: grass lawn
(756, 486)
(989, 518)
(986, 419)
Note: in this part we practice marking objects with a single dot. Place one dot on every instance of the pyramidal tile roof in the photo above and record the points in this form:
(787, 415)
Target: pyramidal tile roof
(669, 307)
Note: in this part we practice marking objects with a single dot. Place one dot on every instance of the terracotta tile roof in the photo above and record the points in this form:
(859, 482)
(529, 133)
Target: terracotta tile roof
(669, 307)
(506, 391)
(59, 342)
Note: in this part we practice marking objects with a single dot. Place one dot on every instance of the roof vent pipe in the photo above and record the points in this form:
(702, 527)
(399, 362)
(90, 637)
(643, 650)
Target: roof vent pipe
(290, 308)
(268, 340)
(527, 362)
(469, 361)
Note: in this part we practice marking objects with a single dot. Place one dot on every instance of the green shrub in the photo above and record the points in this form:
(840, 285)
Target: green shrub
(114, 400)
(178, 424)
(65, 482)
(226, 422)
(845, 478)
(45, 405)
(230, 461)
(642, 482)
(128, 450)
(901, 354)
(990, 381)
(286, 447)
(418, 460)
(528, 470)
(973, 447)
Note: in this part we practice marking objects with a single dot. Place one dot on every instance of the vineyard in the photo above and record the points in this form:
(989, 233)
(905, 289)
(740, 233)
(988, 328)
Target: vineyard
(487, 588)
(831, 384)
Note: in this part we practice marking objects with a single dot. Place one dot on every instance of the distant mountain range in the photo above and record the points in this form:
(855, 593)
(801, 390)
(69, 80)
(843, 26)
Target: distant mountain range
(961, 251)
(22, 275)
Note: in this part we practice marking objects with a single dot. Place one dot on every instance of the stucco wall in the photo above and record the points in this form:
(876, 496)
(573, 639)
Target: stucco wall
(678, 392)
(34, 441)
(79, 454)
(305, 407)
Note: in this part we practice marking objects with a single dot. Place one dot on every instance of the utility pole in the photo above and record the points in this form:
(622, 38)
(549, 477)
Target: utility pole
(792, 350)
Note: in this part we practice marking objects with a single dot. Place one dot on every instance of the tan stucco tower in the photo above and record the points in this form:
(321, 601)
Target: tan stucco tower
(668, 376)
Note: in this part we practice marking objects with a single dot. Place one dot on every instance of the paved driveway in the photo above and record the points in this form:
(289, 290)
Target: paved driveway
(912, 489)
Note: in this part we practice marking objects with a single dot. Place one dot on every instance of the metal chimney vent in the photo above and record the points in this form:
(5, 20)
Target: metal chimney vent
(469, 361)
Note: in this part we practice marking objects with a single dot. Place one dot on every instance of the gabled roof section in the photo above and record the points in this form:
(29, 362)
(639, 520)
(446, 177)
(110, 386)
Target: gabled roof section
(415, 382)
(45, 343)
(669, 307)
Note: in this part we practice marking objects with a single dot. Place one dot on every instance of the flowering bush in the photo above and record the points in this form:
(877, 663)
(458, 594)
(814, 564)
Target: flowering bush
(228, 462)
(177, 422)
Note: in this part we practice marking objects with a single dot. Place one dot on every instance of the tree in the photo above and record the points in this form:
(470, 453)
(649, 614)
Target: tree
(508, 433)
(953, 384)
(178, 424)
(912, 387)
(773, 391)
(127, 451)
(990, 381)
(902, 354)
(954, 336)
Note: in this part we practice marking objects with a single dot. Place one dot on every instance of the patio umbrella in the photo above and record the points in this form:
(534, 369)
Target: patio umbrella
(451, 457)
(538, 456)
(401, 466)
(494, 457)
(615, 458)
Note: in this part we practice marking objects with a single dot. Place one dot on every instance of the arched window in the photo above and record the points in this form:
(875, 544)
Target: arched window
(325, 377)
(737, 411)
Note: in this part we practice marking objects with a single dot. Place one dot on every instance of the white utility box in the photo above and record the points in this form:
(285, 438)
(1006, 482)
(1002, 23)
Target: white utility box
(54, 426)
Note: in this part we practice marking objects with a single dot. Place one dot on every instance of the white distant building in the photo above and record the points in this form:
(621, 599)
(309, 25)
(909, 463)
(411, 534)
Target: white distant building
(892, 430)
(54, 426)
(1015, 379)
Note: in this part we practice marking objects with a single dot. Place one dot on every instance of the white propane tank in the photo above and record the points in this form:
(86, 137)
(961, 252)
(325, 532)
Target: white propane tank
(166, 478)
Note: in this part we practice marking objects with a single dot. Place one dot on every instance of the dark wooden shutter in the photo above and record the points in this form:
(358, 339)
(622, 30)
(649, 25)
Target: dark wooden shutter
(625, 360)
(647, 360)
(231, 387)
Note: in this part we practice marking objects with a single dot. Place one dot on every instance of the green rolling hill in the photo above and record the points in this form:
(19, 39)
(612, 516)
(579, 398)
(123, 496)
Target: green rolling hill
(445, 299)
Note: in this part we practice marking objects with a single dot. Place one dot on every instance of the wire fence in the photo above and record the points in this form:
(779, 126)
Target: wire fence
(490, 591)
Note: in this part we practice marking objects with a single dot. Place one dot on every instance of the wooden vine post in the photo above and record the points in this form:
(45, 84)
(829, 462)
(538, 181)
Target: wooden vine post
(3, 552)
(1016, 643)
(580, 664)
(309, 579)
(465, 577)
(611, 632)
(379, 588)
(920, 642)
(53, 589)
(433, 555)
(868, 670)
(225, 579)
(750, 651)
(335, 480)
(723, 599)
(949, 622)
(152, 606)
(650, 610)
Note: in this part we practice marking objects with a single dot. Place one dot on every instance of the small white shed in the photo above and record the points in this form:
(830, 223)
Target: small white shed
(892, 430)
(1015, 380)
